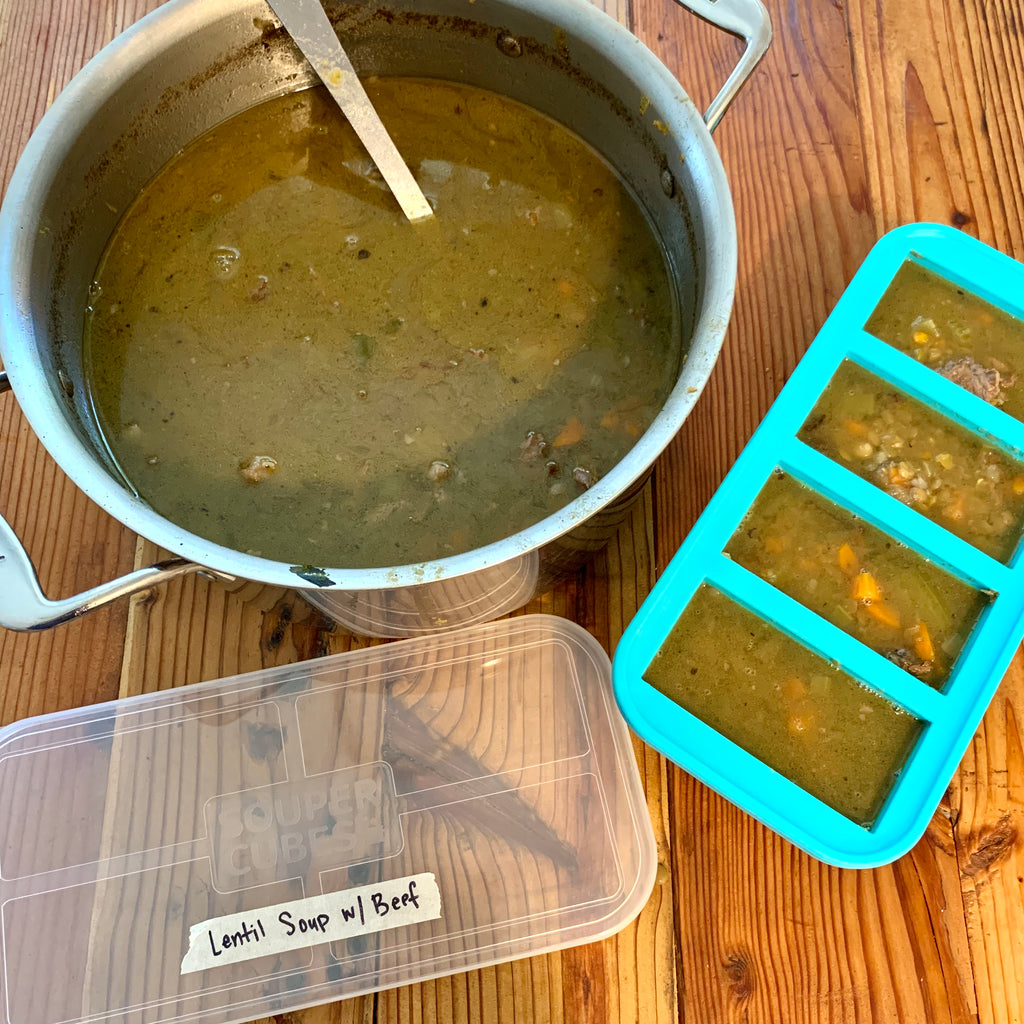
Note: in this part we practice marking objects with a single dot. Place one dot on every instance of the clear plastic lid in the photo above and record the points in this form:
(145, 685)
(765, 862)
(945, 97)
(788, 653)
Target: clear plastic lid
(261, 843)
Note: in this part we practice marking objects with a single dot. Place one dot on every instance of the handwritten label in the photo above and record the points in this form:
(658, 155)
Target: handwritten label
(308, 922)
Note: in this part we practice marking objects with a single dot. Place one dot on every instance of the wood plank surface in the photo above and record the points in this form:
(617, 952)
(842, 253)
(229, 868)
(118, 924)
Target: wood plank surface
(863, 116)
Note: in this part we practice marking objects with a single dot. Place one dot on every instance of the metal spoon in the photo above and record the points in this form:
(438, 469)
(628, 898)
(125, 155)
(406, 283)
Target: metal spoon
(309, 26)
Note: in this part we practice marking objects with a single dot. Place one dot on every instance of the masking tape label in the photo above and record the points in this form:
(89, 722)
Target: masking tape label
(309, 922)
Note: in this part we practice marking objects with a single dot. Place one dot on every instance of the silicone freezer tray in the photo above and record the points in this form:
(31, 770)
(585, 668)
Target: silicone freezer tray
(949, 715)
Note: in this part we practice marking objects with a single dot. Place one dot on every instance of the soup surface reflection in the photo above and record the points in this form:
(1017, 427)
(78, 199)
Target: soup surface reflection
(282, 364)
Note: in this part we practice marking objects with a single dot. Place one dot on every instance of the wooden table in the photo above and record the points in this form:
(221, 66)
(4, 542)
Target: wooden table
(862, 117)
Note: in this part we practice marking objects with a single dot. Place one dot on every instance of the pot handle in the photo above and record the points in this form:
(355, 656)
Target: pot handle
(747, 19)
(24, 607)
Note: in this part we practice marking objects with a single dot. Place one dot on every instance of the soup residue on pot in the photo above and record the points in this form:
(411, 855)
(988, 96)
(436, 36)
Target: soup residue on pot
(284, 365)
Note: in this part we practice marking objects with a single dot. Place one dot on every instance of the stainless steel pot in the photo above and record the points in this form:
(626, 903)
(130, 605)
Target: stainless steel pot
(192, 63)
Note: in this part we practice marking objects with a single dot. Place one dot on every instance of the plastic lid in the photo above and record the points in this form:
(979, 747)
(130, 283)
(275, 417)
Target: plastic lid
(246, 847)
(437, 605)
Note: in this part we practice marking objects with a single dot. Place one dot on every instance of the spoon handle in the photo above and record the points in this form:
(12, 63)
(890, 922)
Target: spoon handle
(310, 28)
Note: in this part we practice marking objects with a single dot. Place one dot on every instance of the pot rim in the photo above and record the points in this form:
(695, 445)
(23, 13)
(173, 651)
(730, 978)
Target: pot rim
(144, 41)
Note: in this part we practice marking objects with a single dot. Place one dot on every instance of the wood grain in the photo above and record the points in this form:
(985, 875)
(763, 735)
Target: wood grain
(863, 116)
(73, 544)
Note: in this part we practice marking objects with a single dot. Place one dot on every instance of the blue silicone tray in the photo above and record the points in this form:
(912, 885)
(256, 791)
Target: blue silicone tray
(951, 716)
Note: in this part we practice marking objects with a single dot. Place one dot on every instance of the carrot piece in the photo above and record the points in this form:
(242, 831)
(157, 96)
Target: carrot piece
(572, 432)
(921, 641)
(1018, 485)
(794, 688)
(610, 420)
(865, 588)
(855, 427)
(776, 545)
(848, 560)
(565, 288)
(883, 613)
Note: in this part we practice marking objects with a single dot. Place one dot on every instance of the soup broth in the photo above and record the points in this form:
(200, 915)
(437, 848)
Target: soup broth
(282, 364)
(963, 337)
(770, 695)
(857, 577)
(922, 458)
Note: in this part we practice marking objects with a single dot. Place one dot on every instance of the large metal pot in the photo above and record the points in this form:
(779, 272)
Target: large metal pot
(193, 63)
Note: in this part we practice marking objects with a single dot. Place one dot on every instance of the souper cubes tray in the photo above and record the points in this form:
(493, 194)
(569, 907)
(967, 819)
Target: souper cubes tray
(948, 711)
(242, 848)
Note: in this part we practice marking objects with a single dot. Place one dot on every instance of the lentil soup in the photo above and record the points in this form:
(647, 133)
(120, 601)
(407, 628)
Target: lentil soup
(920, 457)
(972, 342)
(282, 364)
(857, 577)
(781, 702)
